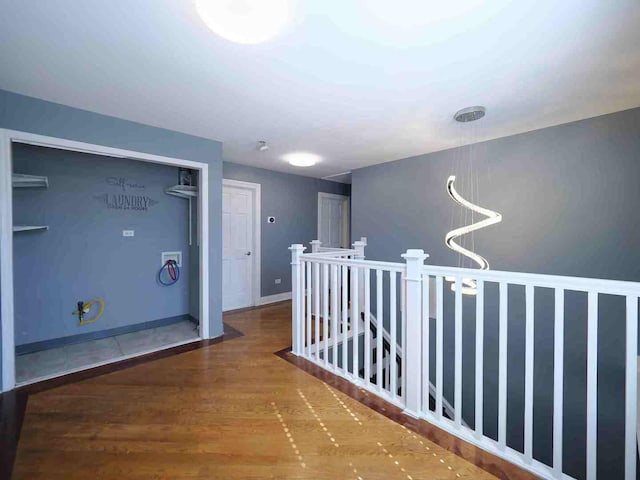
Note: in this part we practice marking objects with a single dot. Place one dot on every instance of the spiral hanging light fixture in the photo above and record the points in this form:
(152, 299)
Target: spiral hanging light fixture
(469, 286)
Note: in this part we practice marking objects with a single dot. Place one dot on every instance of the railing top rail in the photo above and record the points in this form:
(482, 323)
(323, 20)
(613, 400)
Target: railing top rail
(335, 249)
(318, 258)
(330, 254)
(611, 287)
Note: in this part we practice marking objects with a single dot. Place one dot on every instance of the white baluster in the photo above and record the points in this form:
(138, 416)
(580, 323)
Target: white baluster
(457, 395)
(367, 325)
(309, 322)
(502, 367)
(388, 374)
(558, 381)
(355, 321)
(316, 306)
(631, 389)
(592, 384)
(345, 315)
(296, 299)
(379, 329)
(479, 358)
(426, 324)
(335, 314)
(401, 333)
(528, 373)
(339, 295)
(393, 338)
(325, 312)
(439, 345)
(412, 358)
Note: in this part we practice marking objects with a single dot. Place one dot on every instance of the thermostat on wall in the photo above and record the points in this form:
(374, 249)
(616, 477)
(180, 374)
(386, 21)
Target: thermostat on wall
(271, 219)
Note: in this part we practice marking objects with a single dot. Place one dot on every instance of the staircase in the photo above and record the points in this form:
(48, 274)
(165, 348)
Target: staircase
(386, 359)
(447, 409)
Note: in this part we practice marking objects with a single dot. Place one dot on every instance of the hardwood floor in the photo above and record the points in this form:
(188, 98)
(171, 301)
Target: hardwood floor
(231, 410)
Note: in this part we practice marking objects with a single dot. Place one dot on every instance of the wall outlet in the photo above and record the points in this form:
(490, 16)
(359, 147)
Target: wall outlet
(175, 256)
(278, 281)
(128, 233)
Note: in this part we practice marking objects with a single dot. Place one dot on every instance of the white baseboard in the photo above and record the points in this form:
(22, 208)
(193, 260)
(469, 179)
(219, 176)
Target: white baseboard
(278, 297)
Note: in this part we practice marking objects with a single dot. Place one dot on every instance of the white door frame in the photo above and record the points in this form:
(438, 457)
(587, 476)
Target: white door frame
(346, 227)
(7, 138)
(257, 237)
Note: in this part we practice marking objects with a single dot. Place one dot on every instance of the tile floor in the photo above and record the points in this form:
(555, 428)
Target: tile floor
(46, 363)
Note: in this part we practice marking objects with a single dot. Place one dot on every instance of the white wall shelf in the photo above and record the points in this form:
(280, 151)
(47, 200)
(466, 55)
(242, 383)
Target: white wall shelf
(20, 180)
(182, 191)
(29, 228)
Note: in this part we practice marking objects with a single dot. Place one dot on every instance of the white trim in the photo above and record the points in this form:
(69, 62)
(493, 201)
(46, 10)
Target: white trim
(346, 227)
(7, 137)
(6, 264)
(278, 297)
(203, 246)
(257, 235)
(332, 195)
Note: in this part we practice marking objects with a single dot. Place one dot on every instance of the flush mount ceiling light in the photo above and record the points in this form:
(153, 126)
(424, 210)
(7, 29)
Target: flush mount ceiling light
(470, 114)
(302, 159)
(245, 21)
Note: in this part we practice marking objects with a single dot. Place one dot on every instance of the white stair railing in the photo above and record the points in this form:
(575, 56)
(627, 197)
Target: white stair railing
(332, 289)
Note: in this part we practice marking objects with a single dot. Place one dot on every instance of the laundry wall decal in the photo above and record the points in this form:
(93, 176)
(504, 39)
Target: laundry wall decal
(124, 183)
(123, 201)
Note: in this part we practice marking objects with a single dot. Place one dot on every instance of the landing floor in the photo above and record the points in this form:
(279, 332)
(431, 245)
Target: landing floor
(228, 411)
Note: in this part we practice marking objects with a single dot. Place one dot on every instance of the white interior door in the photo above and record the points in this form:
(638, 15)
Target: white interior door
(333, 220)
(237, 247)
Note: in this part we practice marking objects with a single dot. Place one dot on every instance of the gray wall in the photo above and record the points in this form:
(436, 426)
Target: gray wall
(569, 198)
(293, 200)
(18, 112)
(83, 255)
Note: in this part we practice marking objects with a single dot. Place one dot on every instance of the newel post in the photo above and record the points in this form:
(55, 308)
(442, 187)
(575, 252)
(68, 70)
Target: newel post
(358, 246)
(412, 381)
(297, 298)
(315, 246)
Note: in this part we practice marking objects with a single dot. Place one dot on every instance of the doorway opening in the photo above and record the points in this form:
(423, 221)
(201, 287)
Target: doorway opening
(241, 244)
(100, 260)
(334, 220)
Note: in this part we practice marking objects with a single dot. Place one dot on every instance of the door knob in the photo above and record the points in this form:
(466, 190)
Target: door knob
(248, 253)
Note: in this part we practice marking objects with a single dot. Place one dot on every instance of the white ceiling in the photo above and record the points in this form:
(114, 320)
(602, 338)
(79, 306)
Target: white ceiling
(357, 82)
